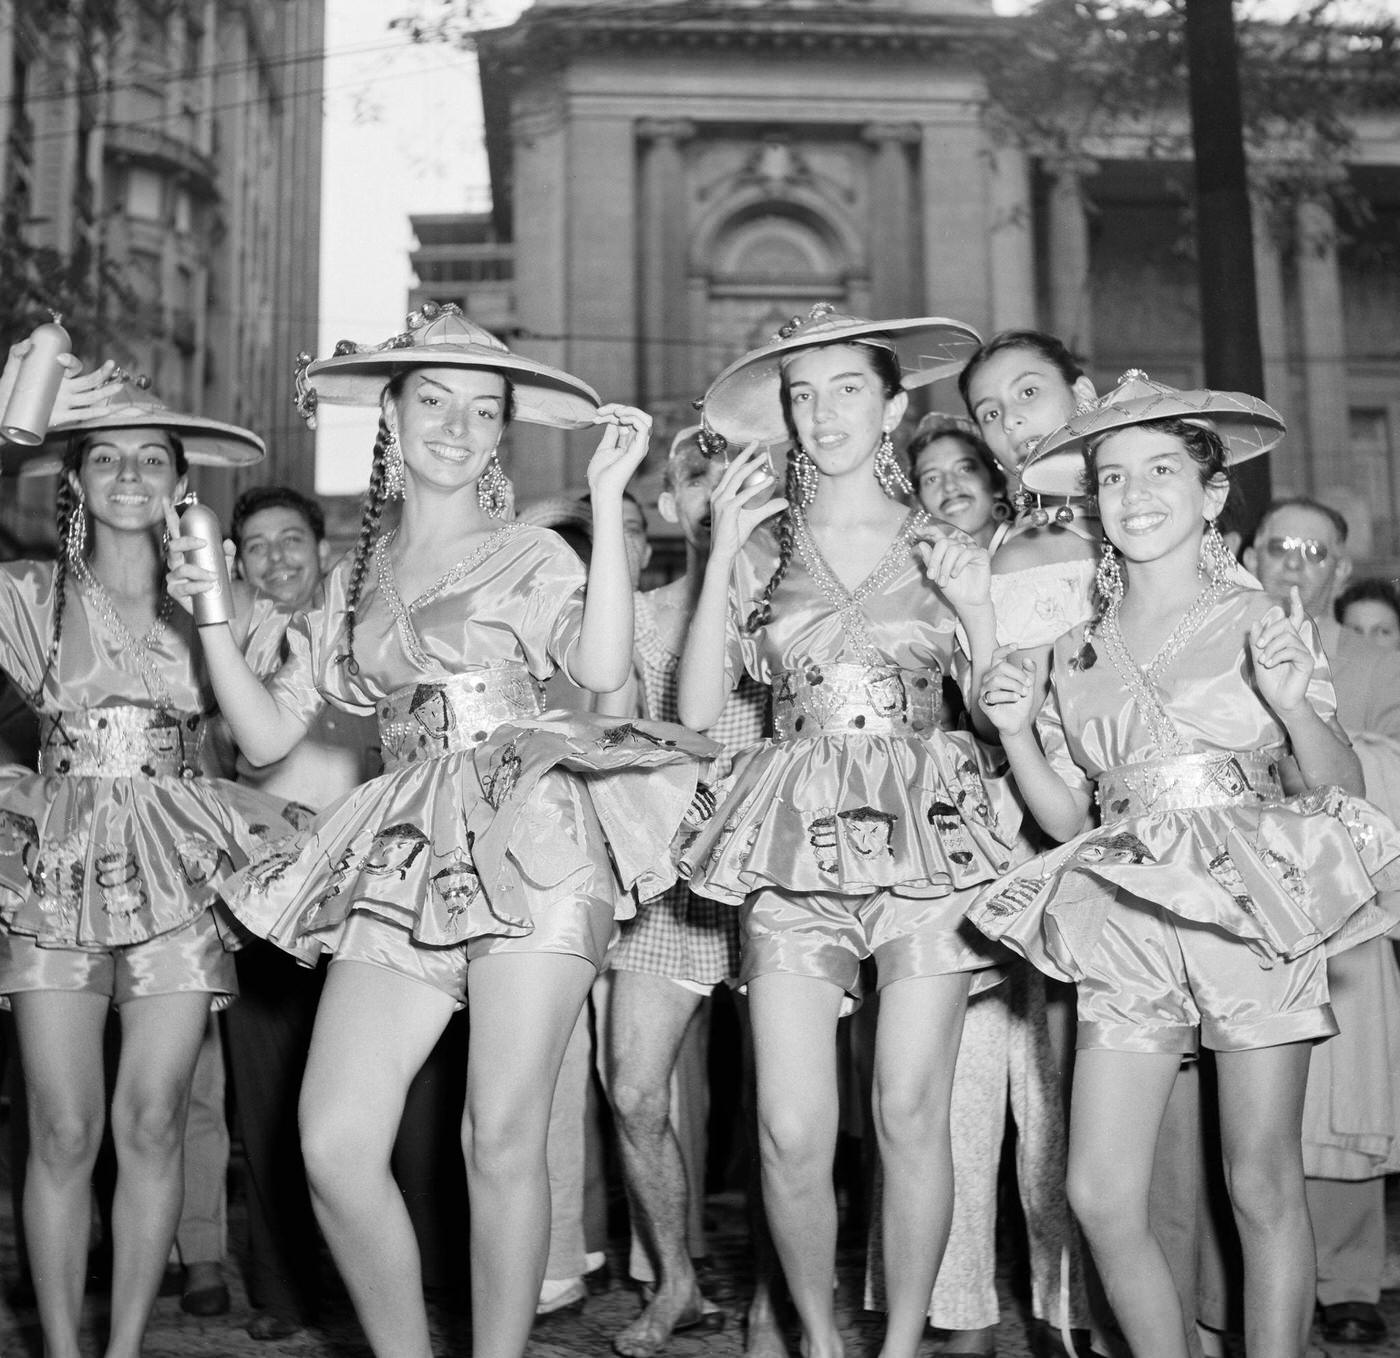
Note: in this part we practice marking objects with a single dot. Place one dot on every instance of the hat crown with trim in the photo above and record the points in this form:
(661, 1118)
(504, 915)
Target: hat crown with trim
(744, 403)
(1247, 426)
(439, 335)
(131, 404)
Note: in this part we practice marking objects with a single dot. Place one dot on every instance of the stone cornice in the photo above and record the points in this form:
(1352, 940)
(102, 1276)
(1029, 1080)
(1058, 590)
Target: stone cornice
(539, 38)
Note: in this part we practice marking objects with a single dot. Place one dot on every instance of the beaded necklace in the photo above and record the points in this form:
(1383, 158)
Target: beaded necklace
(846, 601)
(1142, 680)
(403, 612)
(136, 649)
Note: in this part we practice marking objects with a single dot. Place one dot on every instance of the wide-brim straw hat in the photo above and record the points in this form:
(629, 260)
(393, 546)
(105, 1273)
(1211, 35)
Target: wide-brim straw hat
(209, 443)
(1247, 426)
(439, 336)
(744, 403)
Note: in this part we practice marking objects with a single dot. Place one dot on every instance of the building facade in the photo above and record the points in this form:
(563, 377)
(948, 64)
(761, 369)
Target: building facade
(673, 179)
(171, 149)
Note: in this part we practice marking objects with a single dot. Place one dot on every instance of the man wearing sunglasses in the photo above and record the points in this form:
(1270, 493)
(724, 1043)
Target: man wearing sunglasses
(1351, 1123)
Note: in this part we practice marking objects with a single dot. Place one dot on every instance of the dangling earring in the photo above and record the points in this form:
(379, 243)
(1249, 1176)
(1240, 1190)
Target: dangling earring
(1001, 511)
(76, 545)
(804, 471)
(889, 473)
(1109, 576)
(493, 490)
(1217, 561)
(393, 467)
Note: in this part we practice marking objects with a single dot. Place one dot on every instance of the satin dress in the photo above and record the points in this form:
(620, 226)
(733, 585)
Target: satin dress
(1192, 818)
(862, 790)
(121, 837)
(488, 809)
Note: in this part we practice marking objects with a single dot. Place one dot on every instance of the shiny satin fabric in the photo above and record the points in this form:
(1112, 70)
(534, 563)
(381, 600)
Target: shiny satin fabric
(1281, 875)
(853, 812)
(464, 836)
(112, 858)
(191, 958)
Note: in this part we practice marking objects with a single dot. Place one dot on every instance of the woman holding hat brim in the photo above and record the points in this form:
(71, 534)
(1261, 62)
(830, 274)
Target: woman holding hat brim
(111, 851)
(1201, 908)
(862, 828)
(477, 866)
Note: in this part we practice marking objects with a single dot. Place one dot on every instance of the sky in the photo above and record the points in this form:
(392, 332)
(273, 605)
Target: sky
(403, 135)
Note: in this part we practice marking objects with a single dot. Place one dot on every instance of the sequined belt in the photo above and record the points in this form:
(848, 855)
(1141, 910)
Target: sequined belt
(430, 720)
(121, 742)
(1184, 783)
(845, 699)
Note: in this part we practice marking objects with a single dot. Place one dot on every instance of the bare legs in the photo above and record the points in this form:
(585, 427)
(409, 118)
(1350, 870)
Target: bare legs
(1119, 1102)
(916, 1048)
(794, 1019)
(1115, 1113)
(1261, 1113)
(794, 1028)
(650, 1015)
(374, 1029)
(61, 1041)
(523, 1008)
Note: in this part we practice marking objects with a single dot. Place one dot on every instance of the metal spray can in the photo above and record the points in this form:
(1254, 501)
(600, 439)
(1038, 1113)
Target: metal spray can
(30, 407)
(199, 521)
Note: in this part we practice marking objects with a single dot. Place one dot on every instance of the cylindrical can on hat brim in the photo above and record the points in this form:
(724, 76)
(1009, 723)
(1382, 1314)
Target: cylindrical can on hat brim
(216, 604)
(30, 407)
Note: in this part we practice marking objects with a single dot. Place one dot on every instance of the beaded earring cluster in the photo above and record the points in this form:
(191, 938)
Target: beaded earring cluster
(493, 489)
(76, 545)
(889, 473)
(804, 472)
(1109, 575)
(1217, 561)
(393, 467)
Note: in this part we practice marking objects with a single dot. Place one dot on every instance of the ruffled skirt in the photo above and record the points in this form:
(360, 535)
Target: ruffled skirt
(858, 814)
(474, 842)
(90, 862)
(1283, 877)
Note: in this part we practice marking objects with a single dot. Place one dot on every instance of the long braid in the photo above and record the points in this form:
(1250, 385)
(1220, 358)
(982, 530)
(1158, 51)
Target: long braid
(373, 508)
(68, 504)
(762, 614)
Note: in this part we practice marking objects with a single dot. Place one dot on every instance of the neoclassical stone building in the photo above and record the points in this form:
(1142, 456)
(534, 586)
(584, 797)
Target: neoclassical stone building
(674, 178)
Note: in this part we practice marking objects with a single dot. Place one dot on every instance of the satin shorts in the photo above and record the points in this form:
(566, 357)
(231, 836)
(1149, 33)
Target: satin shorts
(826, 935)
(190, 958)
(580, 926)
(1158, 984)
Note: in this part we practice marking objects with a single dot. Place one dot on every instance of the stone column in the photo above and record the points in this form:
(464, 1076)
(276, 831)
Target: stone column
(1071, 300)
(895, 286)
(664, 361)
(1290, 472)
(1011, 247)
(1325, 429)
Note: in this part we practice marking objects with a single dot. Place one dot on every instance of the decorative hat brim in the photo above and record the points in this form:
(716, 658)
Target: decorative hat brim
(209, 443)
(744, 402)
(543, 394)
(1247, 426)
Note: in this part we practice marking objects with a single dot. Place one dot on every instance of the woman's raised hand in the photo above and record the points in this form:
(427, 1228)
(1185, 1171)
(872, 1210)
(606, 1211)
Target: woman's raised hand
(79, 392)
(626, 434)
(735, 508)
(1283, 662)
(183, 579)
(959, 567)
